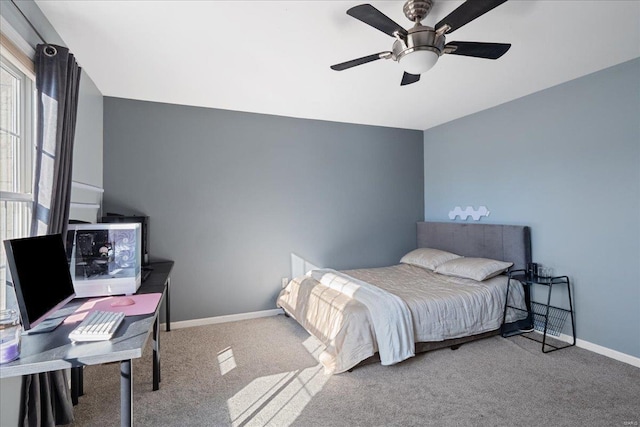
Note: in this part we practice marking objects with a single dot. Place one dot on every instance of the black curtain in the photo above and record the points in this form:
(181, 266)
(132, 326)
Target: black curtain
(46, 396)
(57, 84)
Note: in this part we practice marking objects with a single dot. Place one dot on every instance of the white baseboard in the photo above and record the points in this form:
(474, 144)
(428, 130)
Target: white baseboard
(613, 354)
(224, 319)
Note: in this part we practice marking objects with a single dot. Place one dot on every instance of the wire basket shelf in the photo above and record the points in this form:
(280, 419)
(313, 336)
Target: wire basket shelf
(557, 318)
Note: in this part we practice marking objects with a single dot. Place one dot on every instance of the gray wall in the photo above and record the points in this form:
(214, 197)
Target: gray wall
(232, 195)
(565, 161)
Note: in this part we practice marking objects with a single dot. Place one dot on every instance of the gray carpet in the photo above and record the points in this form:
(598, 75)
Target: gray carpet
(262, 372)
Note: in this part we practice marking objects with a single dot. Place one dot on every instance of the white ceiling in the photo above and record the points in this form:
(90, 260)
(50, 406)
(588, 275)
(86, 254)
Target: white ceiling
(273, 57)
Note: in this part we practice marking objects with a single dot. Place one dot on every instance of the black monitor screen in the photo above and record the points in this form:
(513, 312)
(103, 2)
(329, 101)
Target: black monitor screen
(40, 276)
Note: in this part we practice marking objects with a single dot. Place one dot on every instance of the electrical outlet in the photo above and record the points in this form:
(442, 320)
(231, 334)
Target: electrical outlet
(285, 282)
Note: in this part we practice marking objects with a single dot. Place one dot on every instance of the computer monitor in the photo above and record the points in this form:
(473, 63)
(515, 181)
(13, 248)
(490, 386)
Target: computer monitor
(40, 276)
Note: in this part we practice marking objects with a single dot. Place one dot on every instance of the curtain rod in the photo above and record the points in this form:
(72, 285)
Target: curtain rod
(29, 22)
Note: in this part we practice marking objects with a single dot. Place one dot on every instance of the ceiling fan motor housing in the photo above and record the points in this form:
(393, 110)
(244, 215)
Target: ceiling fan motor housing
(420, 37)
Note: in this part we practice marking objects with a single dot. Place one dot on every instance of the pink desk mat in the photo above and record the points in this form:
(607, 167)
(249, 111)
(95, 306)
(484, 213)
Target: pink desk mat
(144, 304)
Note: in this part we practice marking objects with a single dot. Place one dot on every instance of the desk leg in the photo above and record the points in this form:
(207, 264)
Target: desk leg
(126, 393)
(75, 386)
(168, 305)
(80, 381)
(156, 355)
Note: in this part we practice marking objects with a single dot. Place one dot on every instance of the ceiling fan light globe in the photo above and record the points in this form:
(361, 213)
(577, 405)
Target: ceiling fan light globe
(419, 61)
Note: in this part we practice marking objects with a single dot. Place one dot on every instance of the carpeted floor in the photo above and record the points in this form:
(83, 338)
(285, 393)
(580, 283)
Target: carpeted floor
(263, 372)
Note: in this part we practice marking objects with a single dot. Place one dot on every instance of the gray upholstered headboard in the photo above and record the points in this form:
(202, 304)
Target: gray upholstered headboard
(502, 242)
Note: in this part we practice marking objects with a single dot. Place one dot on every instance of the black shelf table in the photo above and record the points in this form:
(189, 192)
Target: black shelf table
(546, 318)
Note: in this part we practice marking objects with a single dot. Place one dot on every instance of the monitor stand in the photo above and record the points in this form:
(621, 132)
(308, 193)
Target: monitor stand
(46, 325)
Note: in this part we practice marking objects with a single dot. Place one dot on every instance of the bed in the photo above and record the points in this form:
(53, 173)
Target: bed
(389, 314)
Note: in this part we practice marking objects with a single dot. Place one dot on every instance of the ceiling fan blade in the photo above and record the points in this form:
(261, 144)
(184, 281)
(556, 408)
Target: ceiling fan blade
(407, 78)
(372, 16)
(467, 12)
(477, 49)
(359, 61)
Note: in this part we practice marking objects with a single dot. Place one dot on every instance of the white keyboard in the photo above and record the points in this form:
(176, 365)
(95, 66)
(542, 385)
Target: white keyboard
(97, 326)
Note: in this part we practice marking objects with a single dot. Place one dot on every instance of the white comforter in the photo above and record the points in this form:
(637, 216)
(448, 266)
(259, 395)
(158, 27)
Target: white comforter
(389, 315)
(441, 308)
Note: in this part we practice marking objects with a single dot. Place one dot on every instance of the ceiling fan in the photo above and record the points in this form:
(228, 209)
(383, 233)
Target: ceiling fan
(417, 49)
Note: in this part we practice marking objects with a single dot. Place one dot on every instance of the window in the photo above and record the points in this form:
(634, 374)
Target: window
(16, 155)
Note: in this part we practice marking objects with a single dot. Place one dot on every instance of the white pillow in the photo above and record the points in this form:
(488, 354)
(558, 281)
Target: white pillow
(428, 258)
(473, 268)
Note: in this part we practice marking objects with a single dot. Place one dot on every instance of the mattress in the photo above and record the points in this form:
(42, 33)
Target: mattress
(442, 308)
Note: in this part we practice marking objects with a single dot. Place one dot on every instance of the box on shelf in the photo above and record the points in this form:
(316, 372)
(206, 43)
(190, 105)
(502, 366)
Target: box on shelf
(105, 259)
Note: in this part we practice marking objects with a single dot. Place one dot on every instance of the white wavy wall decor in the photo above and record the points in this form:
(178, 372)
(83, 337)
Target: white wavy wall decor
(469, 212)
